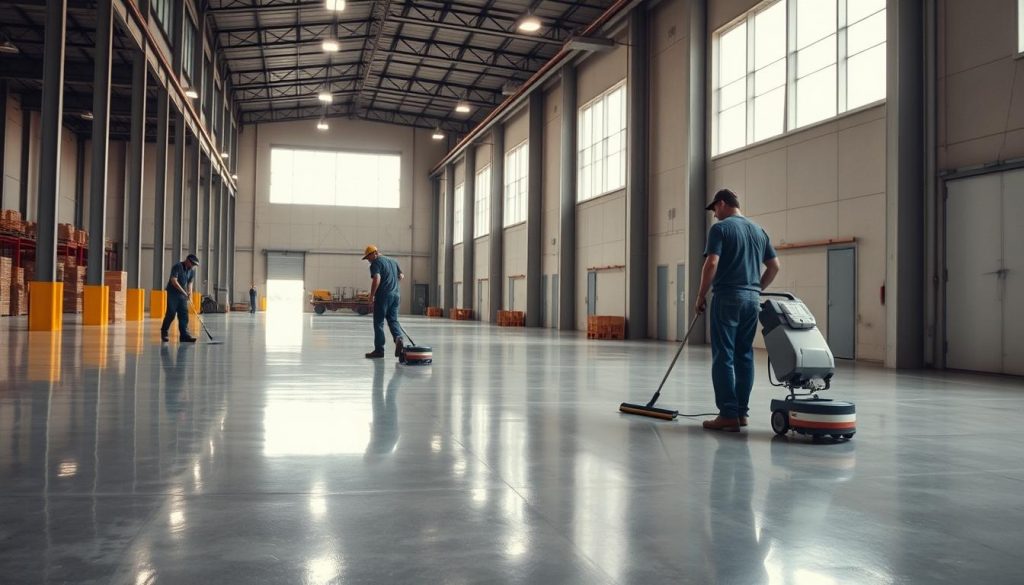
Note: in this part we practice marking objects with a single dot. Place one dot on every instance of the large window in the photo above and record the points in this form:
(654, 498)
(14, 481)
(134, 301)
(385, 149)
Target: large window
(602, 145)
(482, 203)
(460, 193)
(164, 12)
(326, 177)
(517, 171)
(188, 49)
(790, 63)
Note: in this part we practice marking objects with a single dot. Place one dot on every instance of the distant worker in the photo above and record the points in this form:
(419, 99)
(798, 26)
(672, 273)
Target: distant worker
(384, 294)
(735, 250)
(179, 297)
(252, 298)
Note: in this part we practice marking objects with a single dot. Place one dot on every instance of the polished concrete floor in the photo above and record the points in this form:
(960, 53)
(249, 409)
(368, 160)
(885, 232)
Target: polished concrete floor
(283, 456)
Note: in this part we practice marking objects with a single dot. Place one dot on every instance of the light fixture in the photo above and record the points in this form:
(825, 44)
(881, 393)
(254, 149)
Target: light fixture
(529, 23)
(592, 44)
(326, 97)
(331, 46)
(336, 5)
(510, 88)
(224, 155)
(9, 48)
(191, 93)
(437, 135)
(462, 107)
(86, 115)
(322, 124)
(234, 177)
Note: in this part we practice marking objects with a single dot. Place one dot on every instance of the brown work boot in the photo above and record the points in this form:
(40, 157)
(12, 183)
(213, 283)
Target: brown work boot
(399, 344)
(743, 421)
(731, 425)
(375, 354)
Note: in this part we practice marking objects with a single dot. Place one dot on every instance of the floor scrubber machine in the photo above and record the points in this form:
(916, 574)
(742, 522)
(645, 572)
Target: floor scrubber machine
(803, 364)
(415, 355)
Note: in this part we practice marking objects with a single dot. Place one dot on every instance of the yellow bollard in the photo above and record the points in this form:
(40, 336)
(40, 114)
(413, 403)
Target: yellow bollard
(95, 305)
(46, 303)
(157, 304)
(136, 304)
(263, 303)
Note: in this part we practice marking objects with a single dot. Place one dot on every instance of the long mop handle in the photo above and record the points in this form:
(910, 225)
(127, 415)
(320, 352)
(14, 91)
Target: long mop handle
(200, 319)
(657, 394)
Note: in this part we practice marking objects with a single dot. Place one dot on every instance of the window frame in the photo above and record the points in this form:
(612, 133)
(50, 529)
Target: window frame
(790, 89)
(521, 183)
(482, 203)
(458, 213)
(601, 143)
(166, 25)
(334, 173)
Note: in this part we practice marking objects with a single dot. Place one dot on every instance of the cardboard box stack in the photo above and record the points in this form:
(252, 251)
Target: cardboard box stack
(66, 232)
(19, 292)
(74, 286)
(10, 221)
(5, 286)
(118, 301)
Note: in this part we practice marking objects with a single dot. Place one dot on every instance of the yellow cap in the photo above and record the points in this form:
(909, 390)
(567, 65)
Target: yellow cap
(371, 249)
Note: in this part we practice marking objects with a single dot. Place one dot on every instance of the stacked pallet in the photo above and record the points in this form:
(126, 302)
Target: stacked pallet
(19, 292)
(74, 286)
(601, 327)
(10, 221)
(117, 300)
(5, 286)
(461, 314)
(435, 312)
(66, 232)
(511, 319)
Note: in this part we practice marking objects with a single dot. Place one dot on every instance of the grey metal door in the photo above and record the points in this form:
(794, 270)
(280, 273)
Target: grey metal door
(457, 296)
(591, 293)
(543, 299)
(662, 302)
(842, 302)
(554, 301)
(419, 298)
(680, 301)
(511, 294)
(482, 302)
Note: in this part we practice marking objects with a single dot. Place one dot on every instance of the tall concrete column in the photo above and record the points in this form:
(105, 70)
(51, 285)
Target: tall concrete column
(231, 246)
(26, 150)
(3, 138)
(222, 245)
(637, 268)
(196, 180)
(435, 237)
(449, 237)
(496, 272)
(160, 190)
(535, 210)
(136, 149)
(178, 195)
(468, 226)
(46, 293)
(79, 214)
(207, 202)
(100, 145)
(696, 196)
(567, 204)
(214, 259)
(51, 115)
(905, 147)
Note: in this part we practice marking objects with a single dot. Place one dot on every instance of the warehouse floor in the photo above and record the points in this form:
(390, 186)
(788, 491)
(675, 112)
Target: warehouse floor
(283, 456)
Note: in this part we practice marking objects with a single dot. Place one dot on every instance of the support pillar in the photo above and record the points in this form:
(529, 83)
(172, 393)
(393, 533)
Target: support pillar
(177, 196)
(204, 267)
(496, 268)
(637, 268)
(79, 183)
(468, 224)
(160, 196)
(3, 141)
(26, 149)
(96, 294)
(196, 172)
(222, 241)
(136, 153)
(47, 294)
(231, 246)
(435, 229)
(697, 194)
(905, 147)
(535, 210)
(449, 237)
(567, 204)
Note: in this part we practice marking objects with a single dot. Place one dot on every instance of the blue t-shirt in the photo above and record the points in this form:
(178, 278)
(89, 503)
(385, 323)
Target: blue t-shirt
(388, 270)
(184, 275)
(741, 246)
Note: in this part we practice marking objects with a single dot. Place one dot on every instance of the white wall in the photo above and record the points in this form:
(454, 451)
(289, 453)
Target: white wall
(334, 237)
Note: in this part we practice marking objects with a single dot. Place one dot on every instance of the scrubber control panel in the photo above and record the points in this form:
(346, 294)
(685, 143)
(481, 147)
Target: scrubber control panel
(791, 313)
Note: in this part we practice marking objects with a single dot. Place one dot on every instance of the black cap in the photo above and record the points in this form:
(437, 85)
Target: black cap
(726, 195)
(192, 258)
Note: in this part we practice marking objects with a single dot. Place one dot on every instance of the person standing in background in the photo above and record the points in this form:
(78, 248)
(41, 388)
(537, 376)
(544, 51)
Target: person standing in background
(252, 298)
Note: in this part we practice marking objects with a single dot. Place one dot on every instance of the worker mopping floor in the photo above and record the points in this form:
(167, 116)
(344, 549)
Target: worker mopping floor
(801, 360)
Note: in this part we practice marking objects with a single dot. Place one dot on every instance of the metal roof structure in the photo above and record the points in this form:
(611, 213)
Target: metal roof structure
(406, 63)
